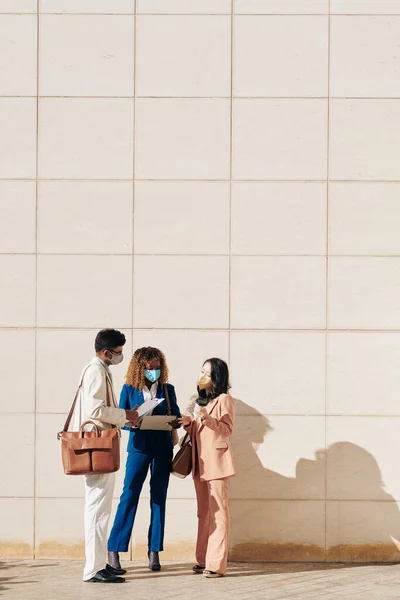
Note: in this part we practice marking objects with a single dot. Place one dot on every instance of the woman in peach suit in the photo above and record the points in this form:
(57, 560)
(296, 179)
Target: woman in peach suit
(210, 430)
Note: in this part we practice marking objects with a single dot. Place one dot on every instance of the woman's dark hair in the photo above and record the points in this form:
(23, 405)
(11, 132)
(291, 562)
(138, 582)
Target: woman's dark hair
(107, 339)
(219, 378)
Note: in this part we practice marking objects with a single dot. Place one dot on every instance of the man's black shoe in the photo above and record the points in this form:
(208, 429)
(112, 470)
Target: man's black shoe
(154, 562)
(104, 576)
(113, 571)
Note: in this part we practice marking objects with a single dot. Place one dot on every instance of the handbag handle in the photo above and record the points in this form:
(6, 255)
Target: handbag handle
(167, 399)
(71, 412)
(82, 428)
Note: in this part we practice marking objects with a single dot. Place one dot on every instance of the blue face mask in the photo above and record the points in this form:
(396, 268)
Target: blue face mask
(152, 375)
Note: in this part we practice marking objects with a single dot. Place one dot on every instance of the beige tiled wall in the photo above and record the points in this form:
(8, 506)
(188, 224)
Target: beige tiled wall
(214, 177)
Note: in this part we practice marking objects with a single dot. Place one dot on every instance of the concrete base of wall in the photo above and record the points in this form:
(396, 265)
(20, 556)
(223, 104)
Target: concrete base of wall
(246, 552)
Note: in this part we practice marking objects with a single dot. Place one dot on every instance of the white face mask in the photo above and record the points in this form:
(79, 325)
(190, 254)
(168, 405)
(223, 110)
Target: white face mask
(116, 359)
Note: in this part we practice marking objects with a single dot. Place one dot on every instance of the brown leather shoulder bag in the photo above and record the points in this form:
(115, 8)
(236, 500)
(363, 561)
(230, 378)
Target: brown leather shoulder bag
(182, 463)
(93, 452)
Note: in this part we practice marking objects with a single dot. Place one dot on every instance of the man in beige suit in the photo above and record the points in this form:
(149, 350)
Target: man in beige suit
(212, 460)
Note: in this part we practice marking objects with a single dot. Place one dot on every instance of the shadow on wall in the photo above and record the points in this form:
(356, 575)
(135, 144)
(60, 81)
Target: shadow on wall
(278, 518)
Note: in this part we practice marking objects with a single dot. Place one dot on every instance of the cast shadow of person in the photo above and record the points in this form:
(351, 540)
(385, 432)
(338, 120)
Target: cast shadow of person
(271, 520)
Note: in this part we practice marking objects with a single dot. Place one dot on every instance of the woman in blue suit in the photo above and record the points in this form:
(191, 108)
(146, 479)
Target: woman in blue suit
(146, 380)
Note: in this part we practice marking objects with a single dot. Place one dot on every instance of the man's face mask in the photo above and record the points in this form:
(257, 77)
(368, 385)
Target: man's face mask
(115, 359)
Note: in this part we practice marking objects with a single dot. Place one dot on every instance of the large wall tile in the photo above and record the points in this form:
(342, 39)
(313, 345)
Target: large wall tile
(87, 6)
(180, 534)
(183, 56)
(17, 138)
(180, 282)
(278, 292)
(362, 531)
(17, 528)
(364, 56)
(18, 6)
(48, 461)
(363, 140)
(78, 345)
(367, 7)
(280, 56)
(278, 218)
(17, 454)
(360, 464)
(18, 216)
(294, 367)
(184, 7)
(364, 293)
(59, 527)
(98, 63)
(182, 138)
(280, 457)
(281, 7)
(18, 55)
(86, 138)
(362, 373)
(364, 218)
(185, 352)
(94, 291)
(277, 531)
(17, 284)
(194, 202)
(85, 217)
(279, 139)
(17, 356)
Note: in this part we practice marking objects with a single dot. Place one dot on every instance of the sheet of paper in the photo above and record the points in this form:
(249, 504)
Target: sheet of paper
(148, 405)
(158, 422)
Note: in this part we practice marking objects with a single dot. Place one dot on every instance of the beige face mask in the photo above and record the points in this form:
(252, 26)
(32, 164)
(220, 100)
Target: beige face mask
(204, 382)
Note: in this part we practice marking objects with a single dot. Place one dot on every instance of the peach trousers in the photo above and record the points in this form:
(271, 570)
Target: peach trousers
(213, 523)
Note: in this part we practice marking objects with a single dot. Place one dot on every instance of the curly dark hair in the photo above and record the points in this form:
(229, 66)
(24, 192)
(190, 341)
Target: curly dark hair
(137, 366)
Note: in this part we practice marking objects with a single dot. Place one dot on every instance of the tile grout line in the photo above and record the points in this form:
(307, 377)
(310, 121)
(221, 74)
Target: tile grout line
(214, 255)
(260, 330)
(164, 97)
(36, 274)
(180, 180)
(327, 273)
(230, 185)
(130, 547)
(244, 415)
(203, 14)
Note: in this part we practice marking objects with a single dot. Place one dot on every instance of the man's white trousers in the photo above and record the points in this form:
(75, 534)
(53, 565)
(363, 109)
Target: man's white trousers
(98, 500)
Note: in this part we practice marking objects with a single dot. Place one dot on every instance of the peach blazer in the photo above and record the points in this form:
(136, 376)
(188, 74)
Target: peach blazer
(211, 439)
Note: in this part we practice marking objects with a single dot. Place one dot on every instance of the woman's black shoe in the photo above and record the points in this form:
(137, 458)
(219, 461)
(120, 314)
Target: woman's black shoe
(154, 562)
(113, 561)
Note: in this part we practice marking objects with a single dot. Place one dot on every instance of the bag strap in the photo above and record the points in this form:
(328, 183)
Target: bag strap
(186, 439)
(71, 412)
(167, 399)
(108, 401)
